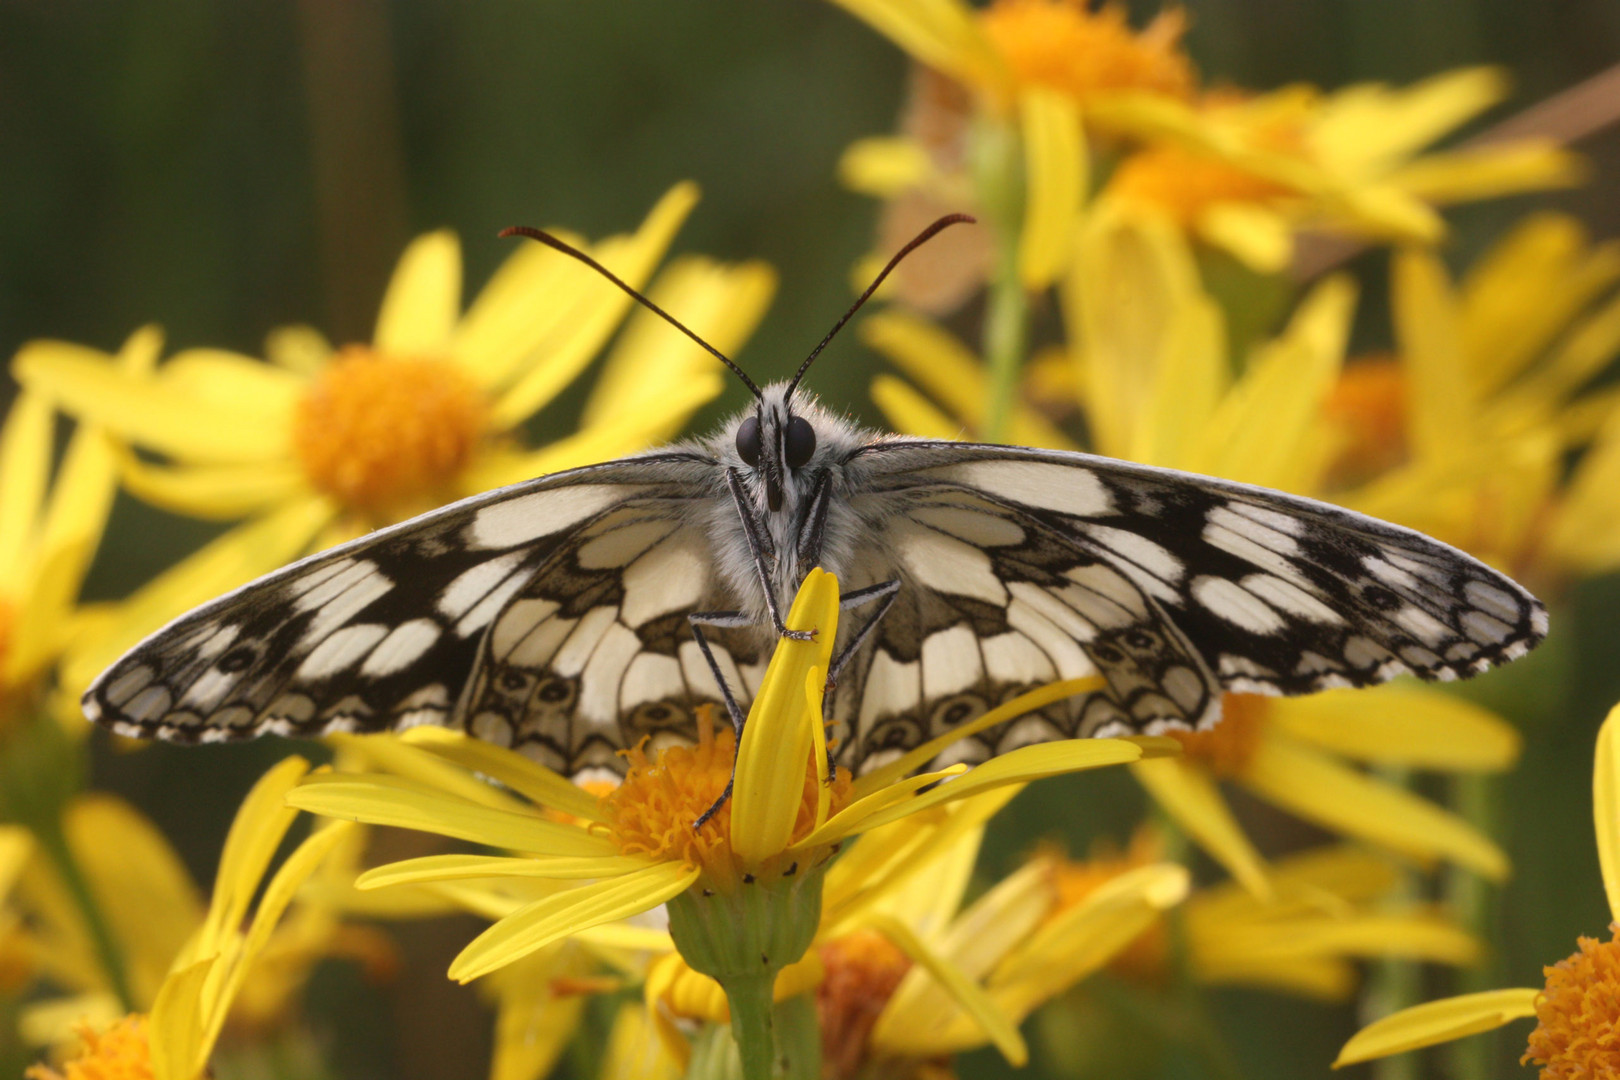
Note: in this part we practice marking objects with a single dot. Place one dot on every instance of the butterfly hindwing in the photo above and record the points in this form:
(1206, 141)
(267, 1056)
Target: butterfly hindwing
(379, 633)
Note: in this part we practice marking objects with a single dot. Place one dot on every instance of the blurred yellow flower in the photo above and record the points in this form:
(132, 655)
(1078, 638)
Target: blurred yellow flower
(1328, 907)
(50, 526)
(120, 1052)
(322, 443)
(1152, 377)
(1247, 173)
(1466, 432)
(1577, 1010)
(187, 966)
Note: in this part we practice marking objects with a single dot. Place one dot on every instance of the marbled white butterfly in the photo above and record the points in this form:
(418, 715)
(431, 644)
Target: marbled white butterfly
(571, 615)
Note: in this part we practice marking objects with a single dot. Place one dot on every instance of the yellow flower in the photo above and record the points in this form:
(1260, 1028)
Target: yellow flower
(903, 970)
(49, 527)
(1466, 432)
(744, 889)
(1576, 1011)
(1246, 173)
(321, 443)
(188, 967)
(1155, 385)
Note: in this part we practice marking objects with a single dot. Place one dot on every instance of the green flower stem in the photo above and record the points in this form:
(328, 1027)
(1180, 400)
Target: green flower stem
(743, 938)
(1472, 901)
(54, 842)
(999, 177)
(1394, 984)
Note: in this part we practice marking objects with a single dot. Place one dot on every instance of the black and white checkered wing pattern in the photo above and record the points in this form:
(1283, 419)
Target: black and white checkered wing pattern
(388, 631)
(1022, 566)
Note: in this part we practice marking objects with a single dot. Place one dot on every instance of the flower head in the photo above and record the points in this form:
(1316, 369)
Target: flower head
(119, 1052)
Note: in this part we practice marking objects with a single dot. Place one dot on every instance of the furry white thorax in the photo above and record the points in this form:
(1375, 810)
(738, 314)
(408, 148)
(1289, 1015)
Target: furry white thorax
(836, 441)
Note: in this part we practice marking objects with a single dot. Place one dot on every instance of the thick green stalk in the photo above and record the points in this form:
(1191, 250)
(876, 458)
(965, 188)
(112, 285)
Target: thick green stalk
(1394, 984)
(999, 177)
(1472, 901)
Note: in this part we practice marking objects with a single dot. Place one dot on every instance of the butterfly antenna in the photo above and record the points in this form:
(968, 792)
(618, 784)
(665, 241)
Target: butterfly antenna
(918, 241)
(569, 249)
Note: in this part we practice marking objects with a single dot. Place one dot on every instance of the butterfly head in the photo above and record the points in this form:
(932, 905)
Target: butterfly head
(776, 443)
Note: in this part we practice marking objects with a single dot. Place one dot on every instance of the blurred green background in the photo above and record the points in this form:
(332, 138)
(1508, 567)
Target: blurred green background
(222, 168)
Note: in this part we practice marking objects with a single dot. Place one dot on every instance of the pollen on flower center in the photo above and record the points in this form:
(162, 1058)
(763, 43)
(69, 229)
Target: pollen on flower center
(1183, 184)
(651, 812)
(1577, 1032)
(861, 971)
(1368, 405)
(386, 435)
(1228, 747)
(1064, 45)
(119, 1053)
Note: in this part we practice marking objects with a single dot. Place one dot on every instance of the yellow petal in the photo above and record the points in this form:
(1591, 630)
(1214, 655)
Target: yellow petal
(1324, 979)
(1437, 1022)
(534, 1020)
(635, 1051)
(178, 1028)
(393, 800)
(589, 321)
(217, 378)
(555, 917)
(403, 755)
(419, 310)
(16, 845)
(1317, 788)
(1189, 795)
(1025, 764)
(776, 741)
(1606, 806)
(1056, 166)
(529, 779)
(1402, 725)
(1427, 324)
(213, 492)
(1490, 172)
(853, 818)
(298, 348)
(144, 410)
(1363, 129)
(884, 166)
(1084, 937)
(1268, 430)
(943, 366)
(145, 893)
(909, 413)
(461, 867)
(941, 34)
(80, 500)
(256, 832)
(25, 469)
(1001, 1029)
(1259, 236)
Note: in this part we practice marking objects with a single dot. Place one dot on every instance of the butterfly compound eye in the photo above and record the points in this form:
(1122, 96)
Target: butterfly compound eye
(748, 444)
(801, 442)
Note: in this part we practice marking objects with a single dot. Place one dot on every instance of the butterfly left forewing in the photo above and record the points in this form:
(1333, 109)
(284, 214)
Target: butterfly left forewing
(379, 633)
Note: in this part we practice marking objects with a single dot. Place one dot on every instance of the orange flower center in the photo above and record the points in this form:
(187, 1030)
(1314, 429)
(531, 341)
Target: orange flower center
(1065, 45)
(387, 436)
(1577, 1032)
(1228, 747)
(861, 971)
(1183, 184)
(652, 811)
(1368, 406)
(1147, 959)
(119, 1053)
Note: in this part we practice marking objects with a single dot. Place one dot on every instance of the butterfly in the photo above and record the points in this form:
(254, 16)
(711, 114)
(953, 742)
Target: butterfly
(577, 614)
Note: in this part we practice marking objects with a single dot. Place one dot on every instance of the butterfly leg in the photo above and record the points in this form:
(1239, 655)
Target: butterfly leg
(883, 595)
(764, 553)
(719, 619)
